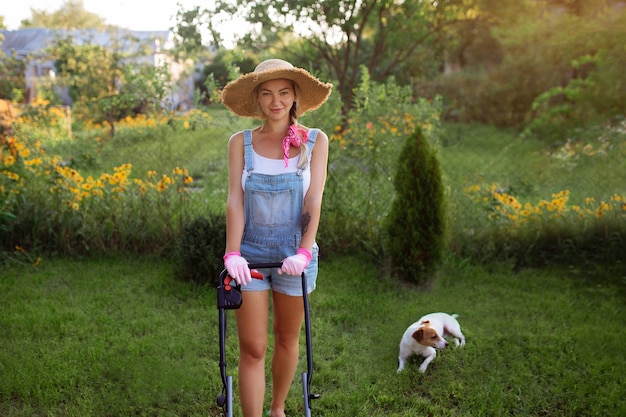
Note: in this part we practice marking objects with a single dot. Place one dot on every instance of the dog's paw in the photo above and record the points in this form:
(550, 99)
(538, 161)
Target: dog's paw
(422, 369)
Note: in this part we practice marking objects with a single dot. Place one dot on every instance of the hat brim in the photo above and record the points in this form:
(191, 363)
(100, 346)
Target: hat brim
(238, 95)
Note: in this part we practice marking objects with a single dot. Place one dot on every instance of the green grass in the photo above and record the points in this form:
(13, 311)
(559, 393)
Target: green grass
(528, 168)
(121, 337)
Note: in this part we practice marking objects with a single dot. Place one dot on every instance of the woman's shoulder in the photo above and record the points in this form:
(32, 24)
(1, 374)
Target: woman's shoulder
(239, 134)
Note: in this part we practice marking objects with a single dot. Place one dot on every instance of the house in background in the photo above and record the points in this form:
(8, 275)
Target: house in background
(31, 44)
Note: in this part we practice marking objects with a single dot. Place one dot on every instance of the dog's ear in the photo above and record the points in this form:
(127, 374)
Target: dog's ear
(418, 335)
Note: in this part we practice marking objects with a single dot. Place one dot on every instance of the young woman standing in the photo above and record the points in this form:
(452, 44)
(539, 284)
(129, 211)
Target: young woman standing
(276, 177)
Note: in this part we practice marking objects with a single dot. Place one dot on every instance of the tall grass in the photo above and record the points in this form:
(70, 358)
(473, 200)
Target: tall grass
(121, 337)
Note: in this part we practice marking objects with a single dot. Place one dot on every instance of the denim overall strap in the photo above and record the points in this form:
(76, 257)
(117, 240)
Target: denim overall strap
(248, 151)
(311, 141)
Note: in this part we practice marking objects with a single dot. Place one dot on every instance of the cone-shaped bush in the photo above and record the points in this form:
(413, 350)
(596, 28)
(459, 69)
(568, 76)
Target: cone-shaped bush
(416, 220)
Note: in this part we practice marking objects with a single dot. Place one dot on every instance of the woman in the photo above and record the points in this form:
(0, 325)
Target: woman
(276, 176)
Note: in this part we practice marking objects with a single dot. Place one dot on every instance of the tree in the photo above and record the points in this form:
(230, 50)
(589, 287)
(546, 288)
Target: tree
(107, 84)
(188, 30)
(416, 221)
(384, 35)
(71, 15)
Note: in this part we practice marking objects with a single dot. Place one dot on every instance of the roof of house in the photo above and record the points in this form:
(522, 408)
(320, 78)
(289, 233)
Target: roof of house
(31, 41)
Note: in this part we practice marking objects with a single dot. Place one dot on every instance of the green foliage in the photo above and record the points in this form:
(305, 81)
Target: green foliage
(596, 94)
(71, 15)
(226, 66)
(40, 120)
(201, 248)
(12, 79)
(58, 210)
(556, 69)
(363, 158)
(107, 85)
(92, 194)
(416, 222)
(531, 205)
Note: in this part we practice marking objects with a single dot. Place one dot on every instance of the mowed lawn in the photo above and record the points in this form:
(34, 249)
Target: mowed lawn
(123, 337)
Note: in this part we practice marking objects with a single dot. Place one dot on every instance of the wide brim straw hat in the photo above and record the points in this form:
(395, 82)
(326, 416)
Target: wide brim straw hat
(239, 95)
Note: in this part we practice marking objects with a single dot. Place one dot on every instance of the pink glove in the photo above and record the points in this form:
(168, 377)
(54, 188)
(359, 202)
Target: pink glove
(237, 268)
(296, 264)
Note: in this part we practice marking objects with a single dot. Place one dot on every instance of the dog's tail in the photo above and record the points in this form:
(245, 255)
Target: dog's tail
(454, 315)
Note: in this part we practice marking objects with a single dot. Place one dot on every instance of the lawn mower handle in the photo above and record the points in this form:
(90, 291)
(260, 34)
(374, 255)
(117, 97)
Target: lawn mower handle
(265, 265)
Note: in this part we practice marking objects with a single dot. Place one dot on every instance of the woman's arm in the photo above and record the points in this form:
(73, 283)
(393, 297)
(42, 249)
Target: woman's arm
(312, 207)
(235, 217)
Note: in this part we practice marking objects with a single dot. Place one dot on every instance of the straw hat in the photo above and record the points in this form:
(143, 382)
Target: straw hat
(238, 95)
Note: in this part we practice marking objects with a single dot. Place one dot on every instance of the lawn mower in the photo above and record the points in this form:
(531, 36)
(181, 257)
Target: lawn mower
(229, 298)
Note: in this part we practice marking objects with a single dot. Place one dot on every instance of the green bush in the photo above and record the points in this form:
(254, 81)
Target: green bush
(557, 71)
(201, 248)
(416, 221)
(361, 163)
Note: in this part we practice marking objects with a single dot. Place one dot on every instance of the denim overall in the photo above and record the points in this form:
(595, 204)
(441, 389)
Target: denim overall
(273, 229)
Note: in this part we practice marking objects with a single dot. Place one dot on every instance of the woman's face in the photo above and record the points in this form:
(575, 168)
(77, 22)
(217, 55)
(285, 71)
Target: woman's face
(275, 98)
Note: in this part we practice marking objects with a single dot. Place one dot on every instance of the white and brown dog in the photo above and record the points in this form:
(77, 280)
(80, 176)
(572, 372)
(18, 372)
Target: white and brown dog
(428, 334)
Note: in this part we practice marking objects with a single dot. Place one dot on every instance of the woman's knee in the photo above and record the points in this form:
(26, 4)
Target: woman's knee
(253, 349)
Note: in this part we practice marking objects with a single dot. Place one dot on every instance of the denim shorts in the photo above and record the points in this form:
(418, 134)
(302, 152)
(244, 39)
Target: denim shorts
(284, 284)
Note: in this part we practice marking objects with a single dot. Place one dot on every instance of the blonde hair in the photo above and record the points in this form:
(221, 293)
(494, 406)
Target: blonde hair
(293, 114)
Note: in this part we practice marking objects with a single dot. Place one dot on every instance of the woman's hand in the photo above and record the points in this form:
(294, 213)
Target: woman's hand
(296, 264)
(237, 268)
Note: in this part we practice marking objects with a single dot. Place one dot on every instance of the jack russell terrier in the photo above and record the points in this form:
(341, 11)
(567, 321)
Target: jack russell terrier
(426, 334)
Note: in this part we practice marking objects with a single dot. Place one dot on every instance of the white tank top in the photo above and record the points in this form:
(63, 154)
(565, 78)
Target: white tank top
(268, 166)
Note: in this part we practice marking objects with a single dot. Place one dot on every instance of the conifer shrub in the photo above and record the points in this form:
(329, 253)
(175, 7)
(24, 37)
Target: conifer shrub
(416, 220)
(201, 248)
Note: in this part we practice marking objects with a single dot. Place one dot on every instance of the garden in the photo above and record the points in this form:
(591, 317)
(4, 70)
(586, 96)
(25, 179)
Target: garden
(107, 313)
(476, 167)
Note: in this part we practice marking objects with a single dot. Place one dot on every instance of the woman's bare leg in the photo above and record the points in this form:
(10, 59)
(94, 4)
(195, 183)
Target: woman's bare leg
(252, 328)
(288, 317)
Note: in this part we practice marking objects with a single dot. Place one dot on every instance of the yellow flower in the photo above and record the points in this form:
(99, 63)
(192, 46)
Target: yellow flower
(11, 175)
(34, 161)
(472, 188)
(8, 160)
(179, 171)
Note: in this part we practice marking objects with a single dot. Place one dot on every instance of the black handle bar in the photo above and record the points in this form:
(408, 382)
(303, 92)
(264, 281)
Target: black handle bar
(265, 265)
